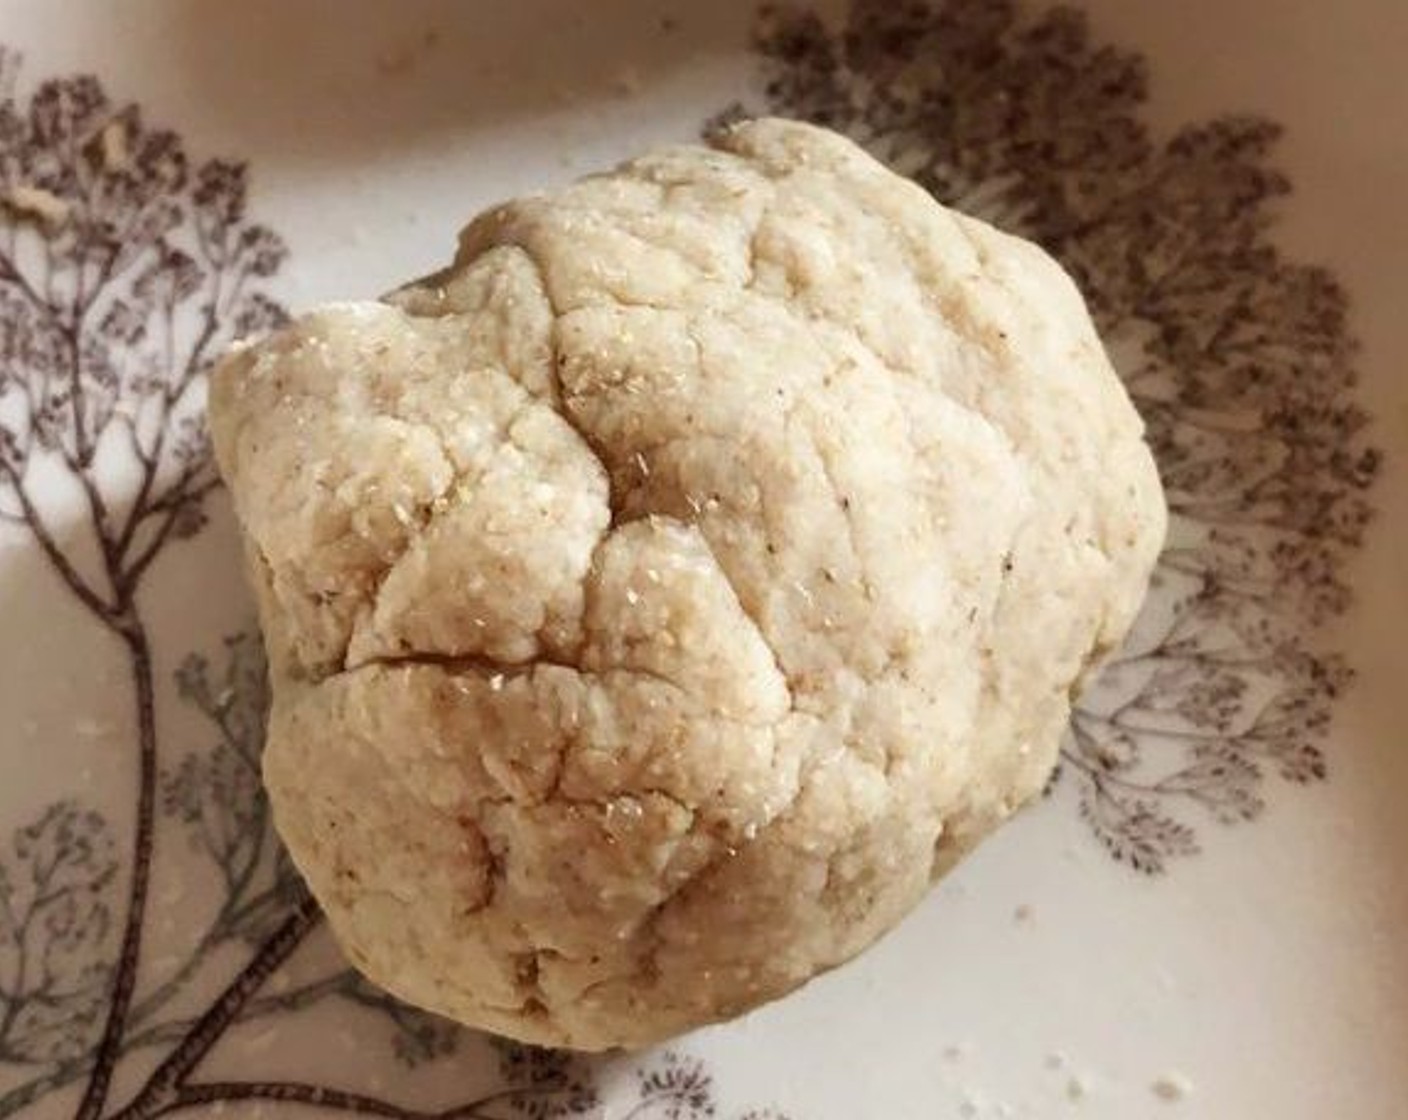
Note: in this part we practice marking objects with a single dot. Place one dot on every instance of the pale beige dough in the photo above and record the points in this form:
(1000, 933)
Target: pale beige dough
(660, 597)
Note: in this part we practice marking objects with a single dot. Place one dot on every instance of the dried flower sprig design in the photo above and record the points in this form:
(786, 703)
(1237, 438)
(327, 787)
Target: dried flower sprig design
(123, 267)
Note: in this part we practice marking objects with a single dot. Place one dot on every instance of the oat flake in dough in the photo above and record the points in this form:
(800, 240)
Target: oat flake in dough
(662, 596)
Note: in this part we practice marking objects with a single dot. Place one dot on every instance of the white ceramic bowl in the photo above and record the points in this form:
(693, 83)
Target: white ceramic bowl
(1205, 917)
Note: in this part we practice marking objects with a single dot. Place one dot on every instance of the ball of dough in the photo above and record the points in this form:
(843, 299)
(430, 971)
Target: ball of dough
(660, 597)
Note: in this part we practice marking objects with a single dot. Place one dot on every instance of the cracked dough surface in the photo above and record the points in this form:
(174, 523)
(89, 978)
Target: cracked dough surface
(661, 596)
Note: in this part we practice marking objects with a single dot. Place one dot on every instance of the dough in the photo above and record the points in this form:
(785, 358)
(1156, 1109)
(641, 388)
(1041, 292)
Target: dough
(659, 598)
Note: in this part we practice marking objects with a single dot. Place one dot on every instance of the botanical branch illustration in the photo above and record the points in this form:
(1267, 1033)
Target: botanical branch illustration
(56, 895)
(216, 794)
(123, 268)
(1241, 363)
